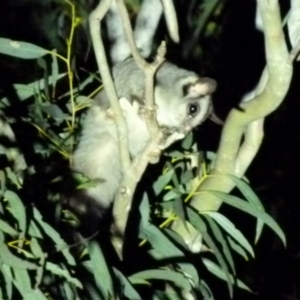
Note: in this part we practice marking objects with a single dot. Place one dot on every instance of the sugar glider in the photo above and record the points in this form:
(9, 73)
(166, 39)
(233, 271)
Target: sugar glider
(182, 99)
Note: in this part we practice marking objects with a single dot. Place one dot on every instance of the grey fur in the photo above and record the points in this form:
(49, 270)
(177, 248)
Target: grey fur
(97, 155)
(177, 91)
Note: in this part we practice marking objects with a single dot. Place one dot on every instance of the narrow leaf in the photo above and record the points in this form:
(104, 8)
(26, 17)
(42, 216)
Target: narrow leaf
(246, 207)
(128, 289)
(60, 243)
(166, 275)
(218, 272)
(230, 228)
(17, 208)
(21, 49)
(100, 270)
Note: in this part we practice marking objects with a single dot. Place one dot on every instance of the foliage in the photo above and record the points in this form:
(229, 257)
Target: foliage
(38, 263)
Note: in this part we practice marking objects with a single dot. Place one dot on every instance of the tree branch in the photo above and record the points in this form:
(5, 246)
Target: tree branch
(95, 28)
(243, 130)
(149, 69)
(232, 156)
(133, 174)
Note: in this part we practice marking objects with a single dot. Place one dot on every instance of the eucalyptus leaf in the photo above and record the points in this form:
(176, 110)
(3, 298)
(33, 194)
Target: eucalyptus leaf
(25, 91)
(230, 228)
(7, 275)
(54, 69)
(167, 249)
(8, 258)
(67, 291)
(252, 198)
(179, 208)
(219, 272)
(200, 225)
(162, 181)
(205, 291)
(17, 208)
(100, 270)
(57, 270)
(53, 110)
(238, 248)
(171, 195)
(166, 275)
(221, 239)
(169, 295)
(21, 49)
(246, 207)
(161, 243)
(187, 141)
(128, 289)
(60, 243)
(5, 227)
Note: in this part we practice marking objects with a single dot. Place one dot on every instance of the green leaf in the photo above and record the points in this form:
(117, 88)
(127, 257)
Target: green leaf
(205, 291)
(23, 280)
(220, 238)
(177, 154)
(166, 275)
(6, 272)
(68, 292)
(166, 249)
(54, 69)
(53, 110)
(21, 49)
(127, 288)
(246, 207)
(170, 295)
(230, 228)
(12, 176)
(252, 198)
(219, 272)
(5, 227)
(171, 195)
(16, 208)
(179, 208)
(57, 270)
(25, 91)
(198, 223)
(23, 284)
(187, 141)
(2, 183)
(173, 235)
(187, 176)
(162, 181)
(238, 248)
(161, 243)
(34, 231)
(100, 270)
(60, 243)
(10, 259)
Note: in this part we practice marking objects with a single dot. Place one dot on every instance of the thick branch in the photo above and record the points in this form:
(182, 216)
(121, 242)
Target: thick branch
(133, 174)
(95, 28)
(231, 154)
(243, 130)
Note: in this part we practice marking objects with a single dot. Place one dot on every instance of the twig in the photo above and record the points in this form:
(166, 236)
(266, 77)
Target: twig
(149, 69)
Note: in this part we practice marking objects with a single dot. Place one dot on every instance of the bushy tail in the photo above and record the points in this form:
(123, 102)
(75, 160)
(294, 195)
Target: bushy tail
(144, 31)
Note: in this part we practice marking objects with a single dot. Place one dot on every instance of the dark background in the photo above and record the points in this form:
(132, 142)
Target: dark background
(235, 58)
